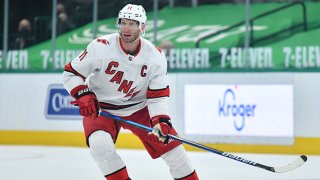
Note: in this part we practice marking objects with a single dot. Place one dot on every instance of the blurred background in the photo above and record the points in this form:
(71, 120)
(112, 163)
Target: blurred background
(244, 75)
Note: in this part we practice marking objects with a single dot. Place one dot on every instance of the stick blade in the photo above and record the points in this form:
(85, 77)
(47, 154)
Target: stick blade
(291, 166)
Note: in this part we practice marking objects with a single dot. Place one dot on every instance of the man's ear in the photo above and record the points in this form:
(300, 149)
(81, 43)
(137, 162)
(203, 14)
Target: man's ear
(143, 26)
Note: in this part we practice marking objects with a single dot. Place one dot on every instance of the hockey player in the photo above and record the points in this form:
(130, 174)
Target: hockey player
(125, 75)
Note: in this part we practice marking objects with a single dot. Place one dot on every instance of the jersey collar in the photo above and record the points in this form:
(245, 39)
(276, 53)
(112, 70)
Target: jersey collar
(122, 48)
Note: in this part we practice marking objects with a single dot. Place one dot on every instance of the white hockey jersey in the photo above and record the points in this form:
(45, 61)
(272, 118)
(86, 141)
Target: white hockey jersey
(122, 83)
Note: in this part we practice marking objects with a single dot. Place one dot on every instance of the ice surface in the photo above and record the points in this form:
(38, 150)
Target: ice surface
(69, 163)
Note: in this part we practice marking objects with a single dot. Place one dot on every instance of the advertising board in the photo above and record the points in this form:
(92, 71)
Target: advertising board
(240, 111)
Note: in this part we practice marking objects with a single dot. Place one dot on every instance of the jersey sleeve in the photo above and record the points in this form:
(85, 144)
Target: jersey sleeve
(158, 91)
(76, 72)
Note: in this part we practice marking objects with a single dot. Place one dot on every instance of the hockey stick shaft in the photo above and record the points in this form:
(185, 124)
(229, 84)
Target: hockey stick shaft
(206, 148)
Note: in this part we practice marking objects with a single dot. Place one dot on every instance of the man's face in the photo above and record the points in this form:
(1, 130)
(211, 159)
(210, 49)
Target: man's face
(129, 30)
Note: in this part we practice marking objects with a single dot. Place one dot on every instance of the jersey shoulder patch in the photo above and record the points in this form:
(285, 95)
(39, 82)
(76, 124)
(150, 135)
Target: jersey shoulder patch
(103, 41)
(106, 39)
(158, 48)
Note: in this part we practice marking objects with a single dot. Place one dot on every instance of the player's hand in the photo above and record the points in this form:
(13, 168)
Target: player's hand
(86, 100)
(162, 127)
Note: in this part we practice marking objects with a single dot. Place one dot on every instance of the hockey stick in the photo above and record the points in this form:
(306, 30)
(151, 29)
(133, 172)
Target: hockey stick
(289, 167)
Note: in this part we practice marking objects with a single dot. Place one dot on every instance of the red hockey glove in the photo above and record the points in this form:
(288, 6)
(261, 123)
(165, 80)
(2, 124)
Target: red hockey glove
(86, 100)
(162, 127)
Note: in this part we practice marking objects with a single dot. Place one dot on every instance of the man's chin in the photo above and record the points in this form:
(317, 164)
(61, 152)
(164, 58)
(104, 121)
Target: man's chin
(127, 39)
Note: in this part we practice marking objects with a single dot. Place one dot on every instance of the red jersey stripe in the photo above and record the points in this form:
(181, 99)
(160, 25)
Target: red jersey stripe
(157, 93)
(69, 68)
(109, 106)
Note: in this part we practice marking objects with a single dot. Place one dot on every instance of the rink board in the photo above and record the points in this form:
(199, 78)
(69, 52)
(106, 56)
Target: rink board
(26, 117)
(302, 145)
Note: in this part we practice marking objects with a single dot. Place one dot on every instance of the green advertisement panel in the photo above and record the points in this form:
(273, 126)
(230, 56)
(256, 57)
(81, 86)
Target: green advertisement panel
(211, 38)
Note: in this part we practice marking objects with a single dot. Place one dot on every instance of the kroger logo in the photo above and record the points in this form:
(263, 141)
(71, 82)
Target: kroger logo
(231, 108)
(58, 104)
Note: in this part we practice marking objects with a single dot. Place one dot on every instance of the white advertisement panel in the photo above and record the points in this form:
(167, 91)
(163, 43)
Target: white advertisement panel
(251, 113)
(37, 102)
